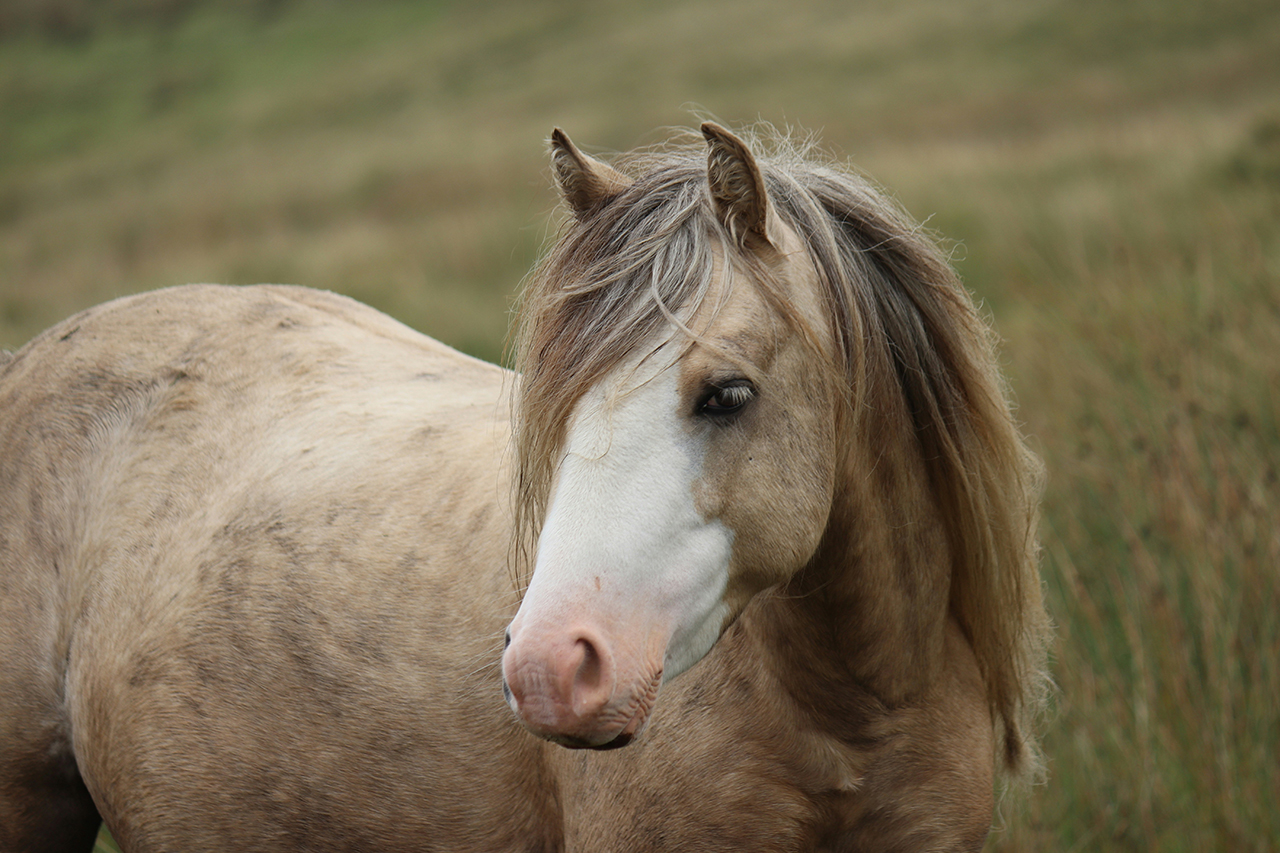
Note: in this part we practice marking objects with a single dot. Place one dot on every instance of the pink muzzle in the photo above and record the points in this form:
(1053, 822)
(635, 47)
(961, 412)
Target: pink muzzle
(576, 686)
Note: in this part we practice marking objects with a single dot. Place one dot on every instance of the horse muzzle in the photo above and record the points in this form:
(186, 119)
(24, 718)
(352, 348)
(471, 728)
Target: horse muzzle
(572, 686)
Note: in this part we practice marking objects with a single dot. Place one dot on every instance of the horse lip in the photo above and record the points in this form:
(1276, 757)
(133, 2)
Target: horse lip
(570, 742)
(628, 733)
(617, 743)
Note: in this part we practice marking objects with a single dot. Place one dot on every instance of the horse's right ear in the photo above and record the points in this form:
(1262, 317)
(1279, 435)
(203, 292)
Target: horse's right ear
(584, 181)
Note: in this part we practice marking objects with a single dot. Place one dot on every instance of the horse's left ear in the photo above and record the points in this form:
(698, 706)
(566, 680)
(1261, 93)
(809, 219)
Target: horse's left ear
(737, 187)
(584, 181)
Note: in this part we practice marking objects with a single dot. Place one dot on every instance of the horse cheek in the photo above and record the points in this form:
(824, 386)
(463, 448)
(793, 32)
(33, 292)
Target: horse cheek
(775, 504)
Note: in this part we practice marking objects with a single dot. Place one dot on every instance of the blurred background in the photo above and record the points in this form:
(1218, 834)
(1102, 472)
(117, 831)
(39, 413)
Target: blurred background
(1105, 174)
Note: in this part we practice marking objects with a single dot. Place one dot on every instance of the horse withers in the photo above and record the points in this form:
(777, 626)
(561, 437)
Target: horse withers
(756, 529)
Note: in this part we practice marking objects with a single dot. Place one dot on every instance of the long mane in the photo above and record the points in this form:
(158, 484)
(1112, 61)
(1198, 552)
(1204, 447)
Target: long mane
(904, 325)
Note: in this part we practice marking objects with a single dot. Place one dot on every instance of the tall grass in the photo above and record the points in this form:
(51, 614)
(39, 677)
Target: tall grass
(1110, 172)
(1150, 374)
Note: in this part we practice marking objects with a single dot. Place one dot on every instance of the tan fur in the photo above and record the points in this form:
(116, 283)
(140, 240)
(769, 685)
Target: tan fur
(235, 516)
(254, 543)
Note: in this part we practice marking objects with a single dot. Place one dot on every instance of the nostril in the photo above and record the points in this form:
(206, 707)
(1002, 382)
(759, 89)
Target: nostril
(506, 643)
(591, 687)
(590, 670)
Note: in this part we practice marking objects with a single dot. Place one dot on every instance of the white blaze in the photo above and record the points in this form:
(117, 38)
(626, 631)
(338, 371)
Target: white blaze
(623, 540)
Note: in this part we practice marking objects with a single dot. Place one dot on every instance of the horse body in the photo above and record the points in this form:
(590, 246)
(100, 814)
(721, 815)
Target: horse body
(231, 554)
(256, 550)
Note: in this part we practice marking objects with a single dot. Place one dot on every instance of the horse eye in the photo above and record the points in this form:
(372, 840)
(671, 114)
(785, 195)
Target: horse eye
(729, 398)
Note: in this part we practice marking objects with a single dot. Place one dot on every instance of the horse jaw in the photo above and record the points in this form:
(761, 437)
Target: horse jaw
(628, 583)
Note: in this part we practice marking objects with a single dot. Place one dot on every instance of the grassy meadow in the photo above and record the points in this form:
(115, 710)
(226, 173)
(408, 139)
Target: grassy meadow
(1107, 174)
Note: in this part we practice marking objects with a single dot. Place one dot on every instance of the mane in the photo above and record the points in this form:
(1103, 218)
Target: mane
(903, 324)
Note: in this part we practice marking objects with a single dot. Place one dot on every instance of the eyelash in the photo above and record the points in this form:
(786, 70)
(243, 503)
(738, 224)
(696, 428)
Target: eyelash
(728, 399)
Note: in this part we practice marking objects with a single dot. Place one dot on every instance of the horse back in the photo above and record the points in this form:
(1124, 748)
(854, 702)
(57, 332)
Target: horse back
(260, 528)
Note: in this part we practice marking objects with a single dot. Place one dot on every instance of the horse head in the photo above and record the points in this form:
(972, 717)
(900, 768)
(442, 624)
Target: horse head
(744, 374)
(678, 379)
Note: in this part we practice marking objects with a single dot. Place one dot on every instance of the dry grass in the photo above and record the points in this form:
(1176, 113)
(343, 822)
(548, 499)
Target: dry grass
(1111, 171)
(1144, 349)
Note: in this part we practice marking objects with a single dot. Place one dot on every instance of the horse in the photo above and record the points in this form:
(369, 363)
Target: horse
(741, 556)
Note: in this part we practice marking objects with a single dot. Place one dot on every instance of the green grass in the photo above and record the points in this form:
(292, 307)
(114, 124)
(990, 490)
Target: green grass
(1110, 173)
(106, 844)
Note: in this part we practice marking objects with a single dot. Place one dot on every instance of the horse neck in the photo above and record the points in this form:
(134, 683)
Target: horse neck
(872, 604)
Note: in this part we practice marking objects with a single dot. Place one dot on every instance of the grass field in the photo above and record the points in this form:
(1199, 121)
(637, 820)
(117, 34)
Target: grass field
(1109, 174)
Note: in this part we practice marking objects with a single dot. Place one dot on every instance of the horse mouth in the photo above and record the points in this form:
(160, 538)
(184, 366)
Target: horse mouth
(628, 733)
(586, 739)
(570, 742)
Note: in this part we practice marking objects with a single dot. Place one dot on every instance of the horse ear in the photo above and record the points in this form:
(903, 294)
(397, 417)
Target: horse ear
(584, 181)
(737, 187)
